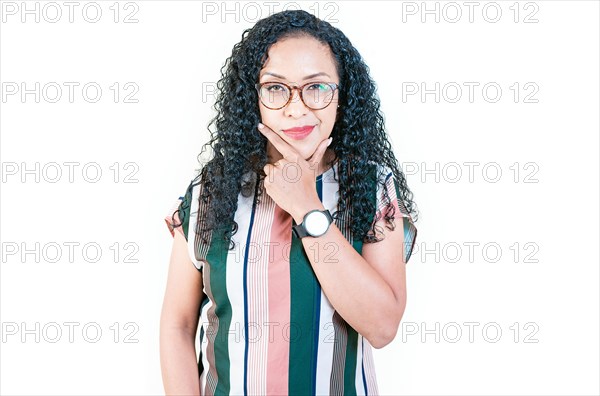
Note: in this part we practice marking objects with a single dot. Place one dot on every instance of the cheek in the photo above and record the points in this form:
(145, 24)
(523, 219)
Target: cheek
(262, 112)
(268, 118)
(327, 120)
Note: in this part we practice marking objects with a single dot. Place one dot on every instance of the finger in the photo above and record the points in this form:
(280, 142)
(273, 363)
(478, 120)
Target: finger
(316, 158)
(281, 145)
(268, 168)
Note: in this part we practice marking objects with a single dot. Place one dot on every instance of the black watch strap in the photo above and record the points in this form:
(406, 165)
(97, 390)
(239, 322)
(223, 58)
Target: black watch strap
(300, 232)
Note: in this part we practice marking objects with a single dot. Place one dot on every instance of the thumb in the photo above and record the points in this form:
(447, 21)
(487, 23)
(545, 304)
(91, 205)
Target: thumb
(315, 159)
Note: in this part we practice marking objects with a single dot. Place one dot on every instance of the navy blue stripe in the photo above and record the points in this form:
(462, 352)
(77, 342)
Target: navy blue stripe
(246, 290)
(388, 176)
(200, 364)
(363, 366)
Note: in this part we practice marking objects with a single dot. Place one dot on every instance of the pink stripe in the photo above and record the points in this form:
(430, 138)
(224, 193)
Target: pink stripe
(258, 308)
(279, 304)
(370, 369)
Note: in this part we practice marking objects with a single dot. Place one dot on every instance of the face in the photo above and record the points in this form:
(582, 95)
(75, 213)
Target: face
(297, 61)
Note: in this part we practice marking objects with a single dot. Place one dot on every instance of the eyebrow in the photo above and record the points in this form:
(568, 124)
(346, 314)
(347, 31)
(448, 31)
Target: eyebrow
(305, 78)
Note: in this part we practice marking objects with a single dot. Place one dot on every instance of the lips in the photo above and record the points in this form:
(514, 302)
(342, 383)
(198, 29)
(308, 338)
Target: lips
(299, 132)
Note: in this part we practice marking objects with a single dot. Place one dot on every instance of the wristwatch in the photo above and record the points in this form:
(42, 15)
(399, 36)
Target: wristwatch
(315, 223)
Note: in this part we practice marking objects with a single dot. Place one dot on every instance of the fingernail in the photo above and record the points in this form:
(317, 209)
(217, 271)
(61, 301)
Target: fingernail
(260, 126)
(330, 140)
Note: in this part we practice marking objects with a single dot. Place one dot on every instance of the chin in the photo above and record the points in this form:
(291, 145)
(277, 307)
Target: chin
(306, 147)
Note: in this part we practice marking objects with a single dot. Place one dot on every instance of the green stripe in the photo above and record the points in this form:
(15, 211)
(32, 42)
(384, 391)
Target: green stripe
(350, 363)
(217, 257)
(303, 283)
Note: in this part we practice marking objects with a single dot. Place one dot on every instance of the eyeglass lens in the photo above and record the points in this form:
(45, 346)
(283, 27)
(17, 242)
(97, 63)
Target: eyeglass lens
(315, 96)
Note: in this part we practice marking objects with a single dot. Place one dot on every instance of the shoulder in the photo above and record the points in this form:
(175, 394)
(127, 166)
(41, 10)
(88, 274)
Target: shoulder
(389, 197)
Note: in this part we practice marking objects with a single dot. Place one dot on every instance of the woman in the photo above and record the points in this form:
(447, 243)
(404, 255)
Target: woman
(298, 260)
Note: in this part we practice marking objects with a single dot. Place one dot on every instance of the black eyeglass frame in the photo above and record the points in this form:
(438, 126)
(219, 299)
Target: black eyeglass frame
(290, 88)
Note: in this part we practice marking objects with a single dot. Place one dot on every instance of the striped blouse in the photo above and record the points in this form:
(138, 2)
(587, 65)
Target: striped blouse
(266, 326)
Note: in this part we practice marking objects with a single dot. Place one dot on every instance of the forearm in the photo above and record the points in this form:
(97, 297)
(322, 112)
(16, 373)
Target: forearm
(178, 362)
(357, 292)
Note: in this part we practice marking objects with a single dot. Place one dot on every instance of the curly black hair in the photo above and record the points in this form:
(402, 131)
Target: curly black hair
(359, 138)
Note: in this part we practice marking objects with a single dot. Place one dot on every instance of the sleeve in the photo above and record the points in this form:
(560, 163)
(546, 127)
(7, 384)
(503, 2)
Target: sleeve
(181, 218)
(401, 215)
(179, 210)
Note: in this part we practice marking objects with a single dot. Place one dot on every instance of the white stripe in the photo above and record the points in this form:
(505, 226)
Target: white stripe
(235, 292)
(359, 385)
(326, 328)
(191, 236)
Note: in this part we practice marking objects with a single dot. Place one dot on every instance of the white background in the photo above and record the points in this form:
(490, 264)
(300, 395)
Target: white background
(177, 48)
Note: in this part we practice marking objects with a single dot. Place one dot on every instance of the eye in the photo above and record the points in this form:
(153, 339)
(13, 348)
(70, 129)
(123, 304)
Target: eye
(274, 87)
(318, 86)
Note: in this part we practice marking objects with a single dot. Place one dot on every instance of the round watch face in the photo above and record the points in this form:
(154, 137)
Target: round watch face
(316, 223)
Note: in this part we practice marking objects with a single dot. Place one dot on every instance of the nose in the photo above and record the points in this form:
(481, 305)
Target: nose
(296, 107)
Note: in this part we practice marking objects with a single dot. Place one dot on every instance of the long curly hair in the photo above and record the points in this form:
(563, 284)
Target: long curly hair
(359, 138)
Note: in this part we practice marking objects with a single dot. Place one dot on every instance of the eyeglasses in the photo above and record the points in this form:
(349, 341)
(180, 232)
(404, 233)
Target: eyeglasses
(314, 95)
